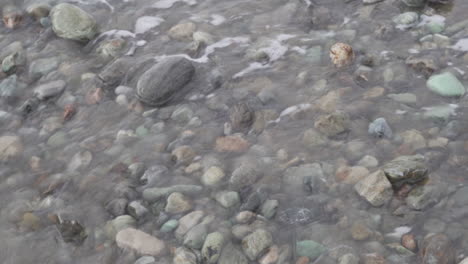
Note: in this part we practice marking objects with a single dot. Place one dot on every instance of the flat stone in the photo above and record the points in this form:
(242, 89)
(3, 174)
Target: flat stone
(72, 22)
(231, 255)
(375, 188)
(177, 203)
(212, 247)
(446, 84)
(169, 226)
(195, 236)
(232, 143)
(405, 98)
(227, 199)
(48, 90)
(140, 242)
(182, 31)
(212, 176)
(406, 169)
(187, 222)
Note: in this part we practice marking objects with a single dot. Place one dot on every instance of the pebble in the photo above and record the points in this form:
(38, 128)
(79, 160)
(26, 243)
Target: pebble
(368, 162)
(241, 116)
(246, 174)
(310, 249)
(184, 255)
(10, 147)
(183, 31)
(169, 226)
(271, 256)
(72, 22)
(446, 84)
(332, 124)
(348, 259)
(183, 154)
(227, 199)
(141, 242)
(269, 208)
(380, 128)
(375, 188)
(156, 193)
(177, 203)
(234, 143)
(436, 248)
(406, 169)
(359, 231)
(188, 221)
(413, 139)
(212, 176)
(195, 236)
(409, 242)
(230, 254)
(212, 247)
(255, 243)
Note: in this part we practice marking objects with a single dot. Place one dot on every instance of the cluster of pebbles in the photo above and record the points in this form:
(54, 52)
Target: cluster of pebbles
(318, 132)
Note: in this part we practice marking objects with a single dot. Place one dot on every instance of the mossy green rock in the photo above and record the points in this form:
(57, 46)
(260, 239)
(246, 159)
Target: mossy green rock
(72, 22)
(310, 249)
(169, 226)
(446, 84)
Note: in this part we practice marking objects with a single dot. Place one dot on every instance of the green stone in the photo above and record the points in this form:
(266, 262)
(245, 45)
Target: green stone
(141, 131)
(435, 27)
(446, 84)
(310, 249)
(169, 226)
(71, 22)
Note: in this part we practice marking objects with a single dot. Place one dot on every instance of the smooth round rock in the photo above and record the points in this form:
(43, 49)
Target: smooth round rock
(72, 22)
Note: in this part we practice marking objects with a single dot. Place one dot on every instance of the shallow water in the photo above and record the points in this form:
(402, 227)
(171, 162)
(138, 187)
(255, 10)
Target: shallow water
(271, 55)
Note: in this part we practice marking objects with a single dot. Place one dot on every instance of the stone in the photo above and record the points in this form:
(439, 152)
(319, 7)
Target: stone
(146, 260)
(269, 208)
(348, 259)
(182, 32)
(169, 226)
(182, 114)
(446, 84)
(41, 67)
(234, 143)
(119, 223)
(184, 255)
(406, 20)
(440, 113)
(313, 139)
(310, 249)
(461, 196)
(414, 3)
(406, 169)
(405, 98)
(296, 177)
(57, 139)
(71, 231)
(437, 248)
(255, 243)
(375, 188)
(413, 139)
(231, 255)
(374, 92)
(164, 81)
(332, 124)
(246, 174)
(9, 87)
(137, 209)
(212, 248)
(12, 61)
(183, 154)
(421, 197)
(177, 203)
(380, 128)
(156, 193)
(464, 261)
(212, 176)
(10, 147)
(241, 116)
(187, 222)
(195, 236)
(30, 222)
(409, 242)
(49, 90)
(72, 22)
(38, 10)
(228, 199)
(359, 231)
(139, 241)
(271, 256)
(368, 162)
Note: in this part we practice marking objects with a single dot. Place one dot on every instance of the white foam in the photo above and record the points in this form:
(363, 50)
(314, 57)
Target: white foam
(299, 50)
(164, 4)
(217, 20)
(252, 67)
(146, 23)
(293, 109)
(402, 230)
(461, 45)
(88, 2)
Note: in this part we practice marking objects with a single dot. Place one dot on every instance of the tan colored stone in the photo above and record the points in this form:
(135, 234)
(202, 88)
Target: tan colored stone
(231, 144)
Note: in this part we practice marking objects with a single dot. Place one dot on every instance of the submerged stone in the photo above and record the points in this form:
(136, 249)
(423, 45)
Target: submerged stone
(72, 22)
(375, 188)
(310, 249)
(406, 169)
(380, 128)
(446, 84)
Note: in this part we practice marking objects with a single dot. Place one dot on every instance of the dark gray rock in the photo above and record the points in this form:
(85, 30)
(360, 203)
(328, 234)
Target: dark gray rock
(117, 207)
(113, 74)
(49, 90)
(164, 81)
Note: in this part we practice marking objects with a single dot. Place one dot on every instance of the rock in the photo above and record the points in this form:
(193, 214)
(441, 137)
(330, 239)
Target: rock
(146, 260)
(341, 54)
(405, 98)
(177, 203)
(434, 225)
(9, 87)
(58, 139)
(72, 231)
(255, 243)
(306, 174)
(227, 199)
(195, 236)
(310, 249)
(380, 128)
(12, 61)
(421, 197)
(313, 139)
(332, 124)
(212, 176)
(246, 174)
(446, 84)
(269, 207)
(440, 113)
(232, 255)
(38, 10)
(117, 207)
(368, 162)
(241, 116)
(48, 90)
(212, 247)
(30, 222)
(359, 231)
(406, 169)
(375, 188)
(437, 248)
(71, 22)
(164, 81)
(182, 114)
(154, 194)
(409, 242)
(119, 223)
(464, 261)
(271, 256)
(183, 155)
(41, 67)
(328, 102)
(303, 260)
(373, 258)
(137, 209)
(184, 256)
(182, 32)
(10, 147)
(461, 196)
(413, 139)
(141, 242)
(169, 226)
(187, 222)
(348, 259)
(234, 143)
(12, 16)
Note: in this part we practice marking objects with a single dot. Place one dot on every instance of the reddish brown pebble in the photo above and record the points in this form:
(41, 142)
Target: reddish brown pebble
(302, 260)
(94, 96)
(341, 54)
(68, 112)
(231, 144)
(409, 242)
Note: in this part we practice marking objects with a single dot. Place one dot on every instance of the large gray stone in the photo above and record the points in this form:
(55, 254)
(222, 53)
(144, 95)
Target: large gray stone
(72, 22)
(232, 255)
(48, 90)
(255, 243)
(164, 81)
(375, 188)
